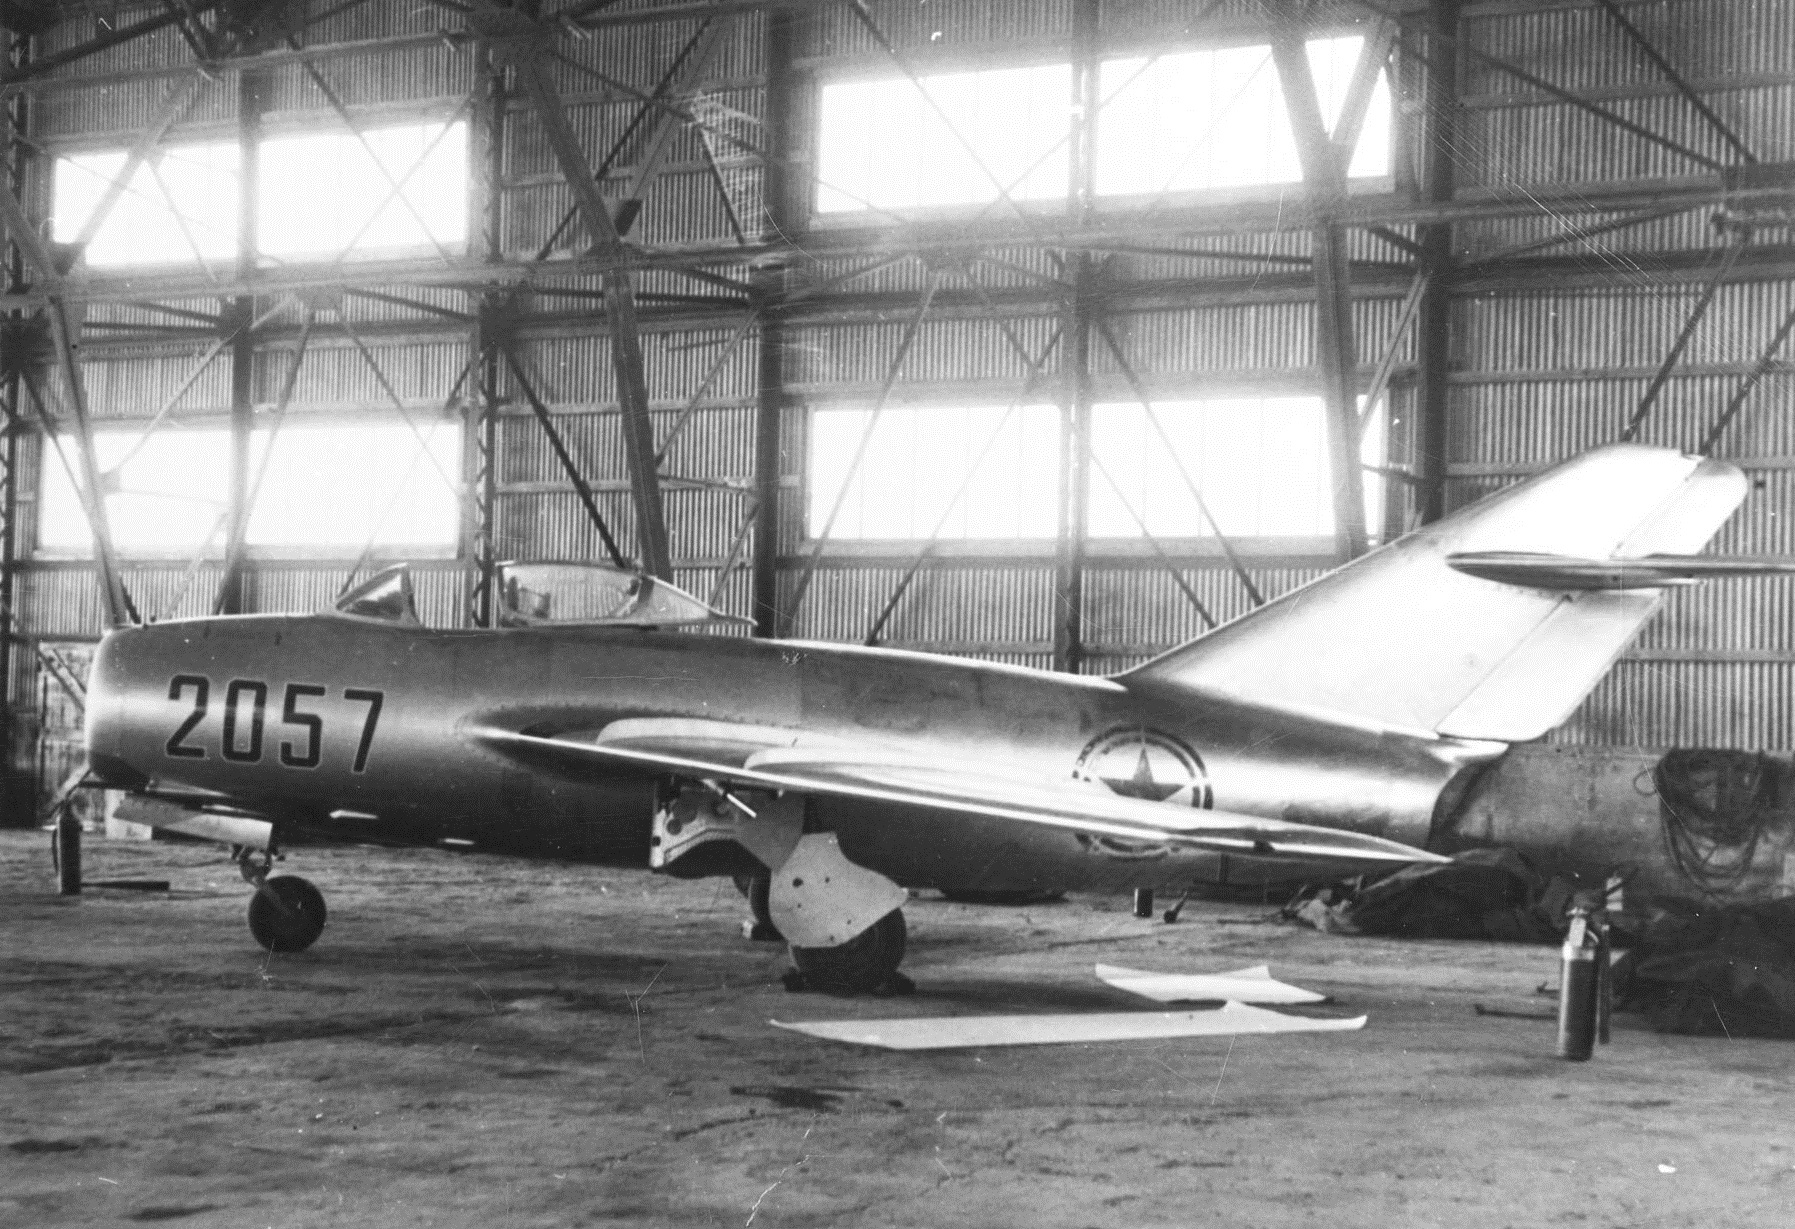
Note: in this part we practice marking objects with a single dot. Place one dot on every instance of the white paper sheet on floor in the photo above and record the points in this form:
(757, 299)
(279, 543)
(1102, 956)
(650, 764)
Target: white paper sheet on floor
(960, 1032)
(1254, 985)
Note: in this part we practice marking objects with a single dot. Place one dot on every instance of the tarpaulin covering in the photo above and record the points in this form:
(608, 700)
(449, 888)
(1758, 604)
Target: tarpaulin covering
(1722, 971)
(1480, 894)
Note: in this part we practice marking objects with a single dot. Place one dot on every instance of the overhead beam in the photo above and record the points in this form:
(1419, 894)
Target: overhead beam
(897, 242)
(102, 42)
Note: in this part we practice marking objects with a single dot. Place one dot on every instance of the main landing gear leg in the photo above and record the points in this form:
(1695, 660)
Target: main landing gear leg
(286, 914)
(842, 920)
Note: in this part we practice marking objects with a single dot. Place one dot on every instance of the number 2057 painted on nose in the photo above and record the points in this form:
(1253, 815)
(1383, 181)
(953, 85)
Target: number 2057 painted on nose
(244, 746)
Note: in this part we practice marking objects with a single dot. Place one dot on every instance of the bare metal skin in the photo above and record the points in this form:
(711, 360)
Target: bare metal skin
(1329, 731)
(423, 778)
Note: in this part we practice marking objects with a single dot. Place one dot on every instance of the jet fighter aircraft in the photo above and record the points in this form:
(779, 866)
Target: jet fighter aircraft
(1327, 731)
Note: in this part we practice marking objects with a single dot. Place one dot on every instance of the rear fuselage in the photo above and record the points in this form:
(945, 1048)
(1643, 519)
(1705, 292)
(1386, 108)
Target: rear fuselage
(361, 728)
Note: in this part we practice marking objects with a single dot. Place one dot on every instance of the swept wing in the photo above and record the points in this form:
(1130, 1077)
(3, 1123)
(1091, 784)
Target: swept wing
(768, 758)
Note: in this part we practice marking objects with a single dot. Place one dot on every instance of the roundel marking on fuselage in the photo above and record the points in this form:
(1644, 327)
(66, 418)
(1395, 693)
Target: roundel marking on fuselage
(1149, 764)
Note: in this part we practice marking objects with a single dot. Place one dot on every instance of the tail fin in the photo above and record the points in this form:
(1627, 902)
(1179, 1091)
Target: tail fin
(1402, 639)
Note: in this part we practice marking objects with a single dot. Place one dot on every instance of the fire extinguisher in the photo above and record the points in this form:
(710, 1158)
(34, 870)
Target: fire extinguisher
(1583, 986)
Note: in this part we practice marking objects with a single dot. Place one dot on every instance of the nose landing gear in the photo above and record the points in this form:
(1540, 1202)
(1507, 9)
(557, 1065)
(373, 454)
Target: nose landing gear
(287, 913)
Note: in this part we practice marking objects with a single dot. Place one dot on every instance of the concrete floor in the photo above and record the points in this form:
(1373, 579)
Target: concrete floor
(486, 1042)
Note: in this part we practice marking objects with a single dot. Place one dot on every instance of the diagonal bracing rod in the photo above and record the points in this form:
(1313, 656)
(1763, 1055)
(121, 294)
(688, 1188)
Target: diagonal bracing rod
(1386, 364)
(1758, 372)
(1140, 394)
(1035, 367)
(1412, 21)
(1159, 551)
(658, 101)
(620, 306)
(1675, 78)
(180, 98)
(580, 486)
(789, 618)
(1631, 431)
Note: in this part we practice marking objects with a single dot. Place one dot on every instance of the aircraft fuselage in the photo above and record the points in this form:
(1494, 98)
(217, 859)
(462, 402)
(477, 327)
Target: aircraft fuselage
(363, 729)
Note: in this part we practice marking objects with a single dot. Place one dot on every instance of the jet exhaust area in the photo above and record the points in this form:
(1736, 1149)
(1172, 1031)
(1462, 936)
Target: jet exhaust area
(493, 1041)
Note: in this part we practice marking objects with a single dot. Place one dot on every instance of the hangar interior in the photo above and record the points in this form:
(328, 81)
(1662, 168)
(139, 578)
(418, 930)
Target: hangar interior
(1030, 332)
(1044, 332)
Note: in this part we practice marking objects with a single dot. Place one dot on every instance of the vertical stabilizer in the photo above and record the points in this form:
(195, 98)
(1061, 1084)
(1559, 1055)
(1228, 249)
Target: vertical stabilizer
(1399, 638)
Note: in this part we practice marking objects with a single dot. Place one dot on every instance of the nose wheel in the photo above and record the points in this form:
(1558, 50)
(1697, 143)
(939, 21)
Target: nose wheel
(287, 913)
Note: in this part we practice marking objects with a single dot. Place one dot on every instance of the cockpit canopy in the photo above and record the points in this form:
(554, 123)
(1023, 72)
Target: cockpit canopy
(538, 594)
(548, 595)
(386, 597)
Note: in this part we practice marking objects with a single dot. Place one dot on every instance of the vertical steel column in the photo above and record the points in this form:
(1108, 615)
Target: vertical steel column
(1434, 326)
(781, 217)
(1324, 177)
(18, 53)
(481, 428)
(1075, 357)
(235, 322)
(488, 162)
(1075, 469)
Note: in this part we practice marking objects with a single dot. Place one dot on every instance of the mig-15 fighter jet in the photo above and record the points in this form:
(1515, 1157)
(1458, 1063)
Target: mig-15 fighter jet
(1325, 732)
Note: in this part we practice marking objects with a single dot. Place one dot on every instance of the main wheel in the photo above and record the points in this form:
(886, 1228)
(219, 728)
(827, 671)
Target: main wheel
(864, 963)
(286, 914)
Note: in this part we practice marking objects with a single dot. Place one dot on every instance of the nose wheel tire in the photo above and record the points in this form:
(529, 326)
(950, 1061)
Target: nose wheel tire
(865, 964)
(286, 914)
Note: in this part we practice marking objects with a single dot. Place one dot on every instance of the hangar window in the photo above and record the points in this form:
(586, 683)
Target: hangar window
(916, 460)
(175, 207)
(882, 145)
(321, 194)
(1260, 463)
(1201, 120)
(329, 487)
(327, 192)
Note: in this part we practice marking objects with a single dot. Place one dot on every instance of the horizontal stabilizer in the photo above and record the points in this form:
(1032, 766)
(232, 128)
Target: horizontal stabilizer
(1571, 574)
(1490, 625)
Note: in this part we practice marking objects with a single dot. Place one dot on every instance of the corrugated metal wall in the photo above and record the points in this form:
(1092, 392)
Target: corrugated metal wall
(1539, 371)
(1543, 374)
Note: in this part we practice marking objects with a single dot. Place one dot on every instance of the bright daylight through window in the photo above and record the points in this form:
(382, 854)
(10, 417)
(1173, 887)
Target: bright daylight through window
(882, 145)
(392, 190)
(177, 207)
(1186, 121)
(918, 458)
(1260, 464)
(324, 192)
(328, 488)
(1200, 120)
